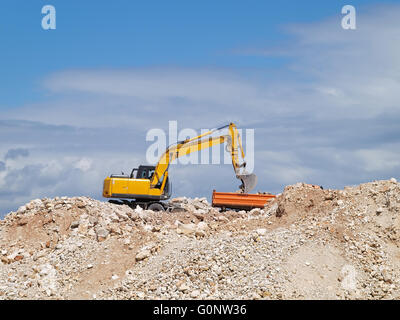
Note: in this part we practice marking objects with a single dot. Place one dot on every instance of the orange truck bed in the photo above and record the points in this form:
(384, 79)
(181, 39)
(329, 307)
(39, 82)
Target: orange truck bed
(240, 200)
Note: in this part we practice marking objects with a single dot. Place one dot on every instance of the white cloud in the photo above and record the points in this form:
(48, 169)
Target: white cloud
(155, 84)
(84, 164)
(380, 159)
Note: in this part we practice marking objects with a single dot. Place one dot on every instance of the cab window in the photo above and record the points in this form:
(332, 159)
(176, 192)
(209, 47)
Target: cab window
(144, 174)
(151, 172)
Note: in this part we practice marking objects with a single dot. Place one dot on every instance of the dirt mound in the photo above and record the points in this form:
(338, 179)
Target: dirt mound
(307, 243)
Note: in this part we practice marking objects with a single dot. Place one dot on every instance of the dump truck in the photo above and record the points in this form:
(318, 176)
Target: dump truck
(149, 186)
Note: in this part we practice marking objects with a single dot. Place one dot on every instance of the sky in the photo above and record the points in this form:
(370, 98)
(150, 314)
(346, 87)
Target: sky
(77, 102)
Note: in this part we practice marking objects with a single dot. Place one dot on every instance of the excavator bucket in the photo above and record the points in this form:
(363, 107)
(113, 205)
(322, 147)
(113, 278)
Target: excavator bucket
(249, 182)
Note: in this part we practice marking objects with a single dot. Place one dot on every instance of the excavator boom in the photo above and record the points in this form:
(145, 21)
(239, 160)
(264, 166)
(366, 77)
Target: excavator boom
(204, 141)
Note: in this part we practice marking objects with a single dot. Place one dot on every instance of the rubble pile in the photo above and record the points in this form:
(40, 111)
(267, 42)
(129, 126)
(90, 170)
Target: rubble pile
(308, 243)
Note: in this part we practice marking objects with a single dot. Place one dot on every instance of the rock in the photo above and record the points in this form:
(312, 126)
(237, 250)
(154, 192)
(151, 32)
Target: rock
(199, 214)
(102, 234)
(21, 209)
(200, 233)
(255, 211)
(178, 200)
(203, 226)
(91, 233)
(194, 294)
(83, 228)
(186, 229)
(393, 180)
(148, 227)
(80, 204)
(183, 287)
(261, 231)
(144, 215)
(74, 224)
(114, 277)
(37, 202)
(175, 208)
(386, 276)
(143, 254)
(199, 206)
(22, 222)
(122, 215)
(18, 257)
(255, 296)
(134, 216)
(93, 220)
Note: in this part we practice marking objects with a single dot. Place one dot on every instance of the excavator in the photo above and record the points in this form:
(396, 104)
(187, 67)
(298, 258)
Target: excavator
(147, 186)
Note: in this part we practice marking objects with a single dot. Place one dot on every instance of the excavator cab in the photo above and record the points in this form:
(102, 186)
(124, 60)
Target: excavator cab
(143, 172)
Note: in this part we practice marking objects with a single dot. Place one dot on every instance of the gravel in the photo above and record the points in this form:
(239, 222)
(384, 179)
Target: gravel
(308, 243)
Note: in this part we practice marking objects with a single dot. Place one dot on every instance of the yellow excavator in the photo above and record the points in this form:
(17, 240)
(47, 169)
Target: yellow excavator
(147, 186)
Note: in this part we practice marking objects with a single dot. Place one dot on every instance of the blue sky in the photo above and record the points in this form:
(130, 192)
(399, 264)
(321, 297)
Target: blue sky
(76, 102)
(119, 34)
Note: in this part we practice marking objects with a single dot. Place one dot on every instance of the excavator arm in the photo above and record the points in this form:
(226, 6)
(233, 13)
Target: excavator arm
(201, 142)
